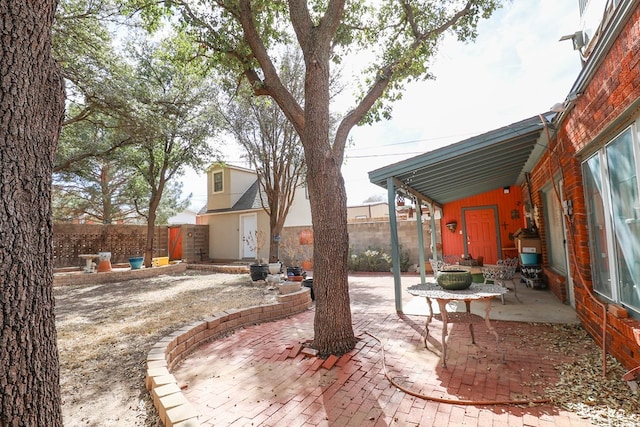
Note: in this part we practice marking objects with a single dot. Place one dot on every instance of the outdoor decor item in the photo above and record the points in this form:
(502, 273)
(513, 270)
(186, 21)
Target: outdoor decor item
(454, 280)
(136, 262)
(259, 271)
(275, 267)
(104, 262)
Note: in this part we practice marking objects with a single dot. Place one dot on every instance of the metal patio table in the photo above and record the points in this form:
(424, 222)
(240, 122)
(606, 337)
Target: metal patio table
(476, 292)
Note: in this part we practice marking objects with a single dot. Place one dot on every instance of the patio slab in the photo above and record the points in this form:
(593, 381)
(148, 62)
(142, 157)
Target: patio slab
(258, 376)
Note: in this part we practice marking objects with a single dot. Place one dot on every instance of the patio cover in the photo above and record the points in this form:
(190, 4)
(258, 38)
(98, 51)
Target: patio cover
(496, 159)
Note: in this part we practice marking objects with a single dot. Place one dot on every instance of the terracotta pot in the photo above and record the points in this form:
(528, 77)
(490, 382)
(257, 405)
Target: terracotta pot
(105, 262)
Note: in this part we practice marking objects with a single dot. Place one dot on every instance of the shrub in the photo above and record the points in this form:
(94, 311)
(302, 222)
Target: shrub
(376, 259)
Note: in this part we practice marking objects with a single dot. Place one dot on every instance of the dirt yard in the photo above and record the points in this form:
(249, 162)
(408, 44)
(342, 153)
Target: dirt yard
(105, 332)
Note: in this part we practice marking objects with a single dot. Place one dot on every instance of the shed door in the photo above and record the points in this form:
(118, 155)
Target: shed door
(481, 235)
(249, 224)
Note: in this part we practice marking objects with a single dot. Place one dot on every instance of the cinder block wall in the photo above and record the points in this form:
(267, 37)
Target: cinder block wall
(364, 235)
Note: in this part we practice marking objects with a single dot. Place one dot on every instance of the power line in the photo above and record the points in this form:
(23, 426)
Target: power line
(414, 141)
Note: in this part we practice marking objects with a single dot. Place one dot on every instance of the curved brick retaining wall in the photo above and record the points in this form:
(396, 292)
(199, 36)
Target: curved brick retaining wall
(173, 407)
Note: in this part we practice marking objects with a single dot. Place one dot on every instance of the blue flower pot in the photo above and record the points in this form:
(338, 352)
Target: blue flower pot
(136, 262)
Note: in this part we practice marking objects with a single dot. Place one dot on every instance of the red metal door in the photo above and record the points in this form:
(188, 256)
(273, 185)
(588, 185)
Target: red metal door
(175, 243)
(480, 226)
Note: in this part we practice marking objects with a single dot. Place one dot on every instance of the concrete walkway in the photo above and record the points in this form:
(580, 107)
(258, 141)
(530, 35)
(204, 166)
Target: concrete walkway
(263, 376)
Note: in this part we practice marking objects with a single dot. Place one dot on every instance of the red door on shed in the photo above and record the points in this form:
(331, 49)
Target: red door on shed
(482, 240)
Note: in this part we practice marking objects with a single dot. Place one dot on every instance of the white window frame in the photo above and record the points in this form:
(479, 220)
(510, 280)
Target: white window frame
(213, 181)
(607, 206)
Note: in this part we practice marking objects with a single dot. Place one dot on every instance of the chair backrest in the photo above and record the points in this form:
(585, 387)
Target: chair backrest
(492, 273)
(510, 264)
(436, 265)
(451, 259)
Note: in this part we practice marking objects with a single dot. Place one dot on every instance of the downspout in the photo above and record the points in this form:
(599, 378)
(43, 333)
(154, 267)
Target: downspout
(569, 221)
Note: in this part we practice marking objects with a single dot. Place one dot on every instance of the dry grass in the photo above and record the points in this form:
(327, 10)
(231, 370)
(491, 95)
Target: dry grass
(106, 330)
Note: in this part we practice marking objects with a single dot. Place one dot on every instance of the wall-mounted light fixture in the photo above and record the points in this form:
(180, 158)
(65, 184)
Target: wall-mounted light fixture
(567, 207)
(452, 226)
(506, 189)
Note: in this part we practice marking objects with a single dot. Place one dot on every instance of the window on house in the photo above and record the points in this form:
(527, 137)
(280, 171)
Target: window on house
(217, 182)
(613, 212)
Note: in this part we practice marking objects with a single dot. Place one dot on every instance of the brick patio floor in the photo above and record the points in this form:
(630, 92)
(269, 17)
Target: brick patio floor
(259, 377)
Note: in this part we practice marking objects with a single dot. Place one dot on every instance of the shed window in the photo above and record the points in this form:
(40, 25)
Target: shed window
(217, 182)
(613, 212)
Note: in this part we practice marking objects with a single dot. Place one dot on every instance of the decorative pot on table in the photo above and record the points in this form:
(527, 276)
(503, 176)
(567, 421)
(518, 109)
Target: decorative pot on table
(454, 280)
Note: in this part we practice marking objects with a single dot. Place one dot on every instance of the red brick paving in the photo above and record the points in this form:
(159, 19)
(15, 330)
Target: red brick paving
(260, 377)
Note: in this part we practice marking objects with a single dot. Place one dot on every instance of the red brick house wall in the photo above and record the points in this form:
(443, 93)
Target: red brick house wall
(612, 91)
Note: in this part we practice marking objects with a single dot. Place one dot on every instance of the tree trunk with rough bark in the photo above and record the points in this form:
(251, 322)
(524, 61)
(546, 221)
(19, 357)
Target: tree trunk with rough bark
(31, 113)
(333, 330)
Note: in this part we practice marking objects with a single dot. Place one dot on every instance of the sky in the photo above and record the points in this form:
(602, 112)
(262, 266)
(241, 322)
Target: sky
(516, 69)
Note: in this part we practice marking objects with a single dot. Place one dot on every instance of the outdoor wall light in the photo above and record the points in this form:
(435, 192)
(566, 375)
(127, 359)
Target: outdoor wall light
(506, 190)
(452, 226)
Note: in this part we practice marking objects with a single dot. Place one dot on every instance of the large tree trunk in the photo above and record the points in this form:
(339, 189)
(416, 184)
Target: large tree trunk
(151, 228)
(333, 331)
(31, 113)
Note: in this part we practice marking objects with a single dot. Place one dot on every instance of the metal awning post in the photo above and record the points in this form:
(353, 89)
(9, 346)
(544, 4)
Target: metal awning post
(434, 232)
(395, 253)
(420, 239)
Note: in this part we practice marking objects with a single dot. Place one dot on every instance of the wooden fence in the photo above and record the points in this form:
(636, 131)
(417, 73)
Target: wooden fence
(123, 241)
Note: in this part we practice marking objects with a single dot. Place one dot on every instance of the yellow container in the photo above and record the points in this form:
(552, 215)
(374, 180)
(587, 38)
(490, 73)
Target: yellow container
(160, 261)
